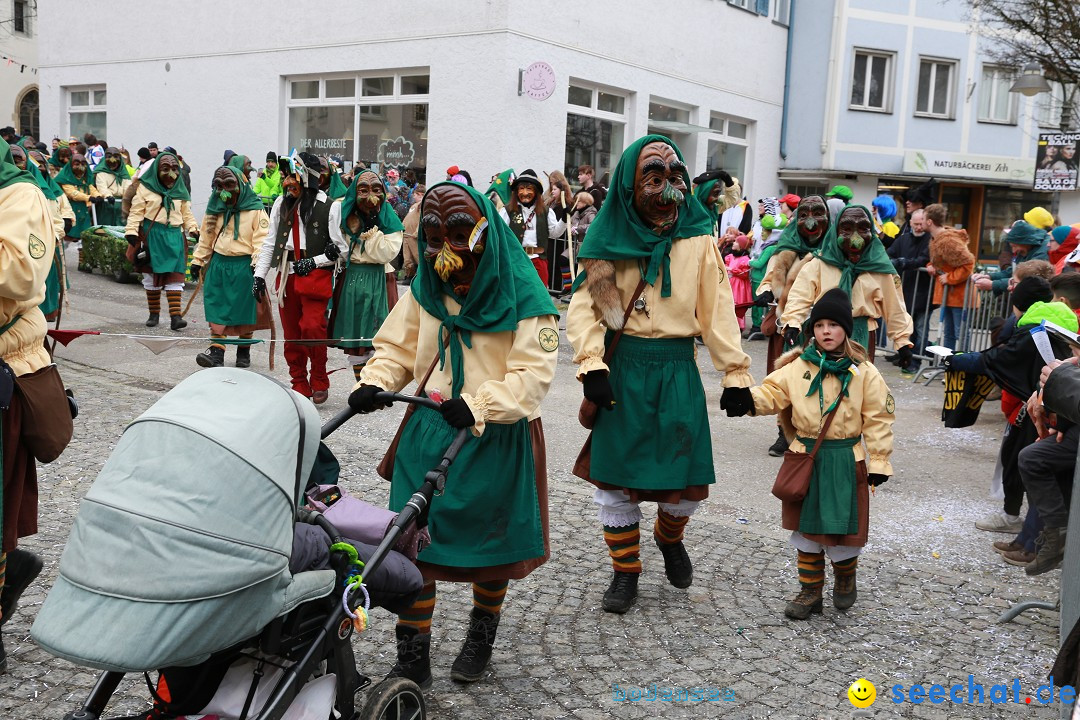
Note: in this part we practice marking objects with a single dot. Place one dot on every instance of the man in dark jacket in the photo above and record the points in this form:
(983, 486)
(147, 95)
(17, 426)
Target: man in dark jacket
(910, 254)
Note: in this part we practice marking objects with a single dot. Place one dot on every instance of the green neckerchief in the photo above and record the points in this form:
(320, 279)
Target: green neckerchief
(501, 185)
(337, 189)
(873, 260)
(617, 233)
(790, 239)
(387, 219)
(47, 184)
(841, 368)
(9, 171)
(66, 176)
(248, 200)
(505, 291)
(152, 182)
(120, 173)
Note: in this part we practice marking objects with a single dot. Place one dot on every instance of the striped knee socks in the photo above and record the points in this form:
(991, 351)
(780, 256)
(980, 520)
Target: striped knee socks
(419, 615)
(489, 596)
(845, 568)
(173, 297)
(669, 529)
(216, 340)
(811, 569)
(624, 546)
(153, 301)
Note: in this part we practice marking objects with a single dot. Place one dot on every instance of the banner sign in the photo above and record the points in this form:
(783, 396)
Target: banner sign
(1056, 161)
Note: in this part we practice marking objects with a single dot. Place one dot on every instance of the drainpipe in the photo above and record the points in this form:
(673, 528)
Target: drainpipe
(787, 82)
(830, 94)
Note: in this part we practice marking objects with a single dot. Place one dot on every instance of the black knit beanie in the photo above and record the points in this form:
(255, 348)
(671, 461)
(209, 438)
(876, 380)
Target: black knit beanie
(834, 305)
(271, 156)
(1029, 291)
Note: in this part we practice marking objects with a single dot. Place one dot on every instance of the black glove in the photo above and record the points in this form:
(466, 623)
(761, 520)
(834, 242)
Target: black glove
(726, 177)
(456, 413)
(68, 224)
(7, 385)
(875, 479)
(596, 387)
(791, 336)
(258, 289)
(110, 200)
(332, 251)
(96, 199)
(737, 401)
(904, 354)
(195, 270)
(303, 267)
(560, 212)
(764, 298)
(362, 399)
(132, 239)
(947, 361)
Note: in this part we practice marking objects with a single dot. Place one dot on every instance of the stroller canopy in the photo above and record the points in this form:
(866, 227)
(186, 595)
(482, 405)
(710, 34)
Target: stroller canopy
(181, 546)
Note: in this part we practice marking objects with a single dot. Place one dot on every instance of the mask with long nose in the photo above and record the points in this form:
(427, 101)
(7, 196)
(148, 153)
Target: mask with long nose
(812, 219)
(659, 186)
(453, 235)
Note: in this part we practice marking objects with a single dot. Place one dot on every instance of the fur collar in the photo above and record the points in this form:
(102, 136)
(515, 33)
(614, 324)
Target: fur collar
(600, 280)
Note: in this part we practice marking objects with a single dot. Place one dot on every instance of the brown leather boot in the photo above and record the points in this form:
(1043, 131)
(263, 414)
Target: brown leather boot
(845, 592)
(807, 601)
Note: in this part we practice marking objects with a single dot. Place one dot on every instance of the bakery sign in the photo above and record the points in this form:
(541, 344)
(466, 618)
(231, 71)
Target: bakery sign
(971, 167)
(396, 152)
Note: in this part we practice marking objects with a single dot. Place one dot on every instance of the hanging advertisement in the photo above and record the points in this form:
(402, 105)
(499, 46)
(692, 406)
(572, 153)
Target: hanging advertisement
(1056, 161)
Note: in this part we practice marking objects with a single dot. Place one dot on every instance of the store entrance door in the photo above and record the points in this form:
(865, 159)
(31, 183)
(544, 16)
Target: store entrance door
(964, 205)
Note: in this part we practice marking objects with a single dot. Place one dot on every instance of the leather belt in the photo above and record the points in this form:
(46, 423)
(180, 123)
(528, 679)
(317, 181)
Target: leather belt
(534, 251)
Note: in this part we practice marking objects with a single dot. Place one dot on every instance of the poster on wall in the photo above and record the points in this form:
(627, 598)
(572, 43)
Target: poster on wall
(397, 152)
(1056, 161)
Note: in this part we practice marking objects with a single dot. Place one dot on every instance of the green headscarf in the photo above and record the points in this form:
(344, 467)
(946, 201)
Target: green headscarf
(337, 189)
(236, 162)
(9, 171)
(66, 176)
(151, 182)
(120, 173)
(873, 260)
(248, 200)
(505, 291)
(54, 158)
(47, 184)
(387, 219)
(790, 239)
(617, 233)
(501, 185)
(840, 367)
(702, 191)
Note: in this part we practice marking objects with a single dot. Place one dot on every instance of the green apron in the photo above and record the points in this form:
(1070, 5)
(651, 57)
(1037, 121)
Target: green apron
(489, 513)
(363, 304)
(52, 286)
(167, 248)
(657, 436)
(83, 220)
(109, 214)
(227, 296)
(831, 506)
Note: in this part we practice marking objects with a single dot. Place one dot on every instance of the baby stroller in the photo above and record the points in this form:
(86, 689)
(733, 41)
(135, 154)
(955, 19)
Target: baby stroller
(178, 562)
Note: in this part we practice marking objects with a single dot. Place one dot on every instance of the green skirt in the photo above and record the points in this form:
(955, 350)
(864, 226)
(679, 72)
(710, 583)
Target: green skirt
(363, 304)
(657, 436)
(831, 506)
(227, 290)
(167, 248)
(489, 513)
(109, 214)
(52, 287)
(83, 219)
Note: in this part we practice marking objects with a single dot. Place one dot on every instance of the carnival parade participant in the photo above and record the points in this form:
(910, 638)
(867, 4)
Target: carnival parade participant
(534, 224)
(268, 185)
(160, 218)
(830, 387)
(233, 231)
(77, 182)
(111, 178)
(62, 219)
(374, 235)
(302, 245)
(482, 323)
(650, 257)
(718, 192)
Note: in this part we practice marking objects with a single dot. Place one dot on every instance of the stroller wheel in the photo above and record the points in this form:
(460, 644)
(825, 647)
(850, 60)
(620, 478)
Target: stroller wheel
(395, 699)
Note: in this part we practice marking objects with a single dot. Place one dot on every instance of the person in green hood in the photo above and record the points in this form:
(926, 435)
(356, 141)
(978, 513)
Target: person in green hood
(853, 259)
(650, 257)
(1027, 242)
(717, 191)
(268, 185)
(499, 190)
(77, 182)
(233, 231)
(61, 156)
(111, 178)
(481, 322)
(374, 234)
(56, 281)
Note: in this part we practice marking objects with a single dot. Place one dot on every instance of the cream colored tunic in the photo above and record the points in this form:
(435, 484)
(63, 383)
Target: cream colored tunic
(874, 295)
(213, 238)
(27, 244)
(76, 195)
(507, 374)
(700, 304)
(379, 248)
(867, 410)
(108, 186)
(146, 205)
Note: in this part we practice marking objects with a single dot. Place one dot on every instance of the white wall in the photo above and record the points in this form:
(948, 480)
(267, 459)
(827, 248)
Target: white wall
(14, 80)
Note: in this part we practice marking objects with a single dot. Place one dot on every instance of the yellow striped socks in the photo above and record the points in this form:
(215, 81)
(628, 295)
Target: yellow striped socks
(669, 529)
(624, 546)
(489, 596)
(419, 615)
(811, 569)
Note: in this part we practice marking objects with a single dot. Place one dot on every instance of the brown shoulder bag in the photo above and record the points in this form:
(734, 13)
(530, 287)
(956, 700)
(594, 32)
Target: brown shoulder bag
(793, 480)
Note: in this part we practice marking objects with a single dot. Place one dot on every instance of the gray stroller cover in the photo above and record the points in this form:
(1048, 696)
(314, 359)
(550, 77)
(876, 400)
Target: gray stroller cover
(181, 546)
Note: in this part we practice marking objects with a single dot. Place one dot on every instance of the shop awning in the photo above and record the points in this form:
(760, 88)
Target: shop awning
(674, 126)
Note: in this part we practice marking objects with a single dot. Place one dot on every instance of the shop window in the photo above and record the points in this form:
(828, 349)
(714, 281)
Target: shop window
(1001, 208)
(804, 190)
(871, 81)
(379, 127)
(934, 97)
(996, 103)
(727, 145)
(595, 129)
(86, 108)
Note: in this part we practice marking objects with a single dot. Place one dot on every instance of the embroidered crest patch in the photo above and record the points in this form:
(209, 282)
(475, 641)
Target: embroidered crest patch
(722, 275)
(264, 223)
(806, 375)
(549, 339)
(36, 247)
(890, 404)
(896, 281)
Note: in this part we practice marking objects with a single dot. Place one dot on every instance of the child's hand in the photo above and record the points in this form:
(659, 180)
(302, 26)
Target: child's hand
(875, 479)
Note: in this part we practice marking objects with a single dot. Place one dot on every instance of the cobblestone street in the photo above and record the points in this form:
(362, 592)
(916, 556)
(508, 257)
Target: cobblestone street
(931, 588)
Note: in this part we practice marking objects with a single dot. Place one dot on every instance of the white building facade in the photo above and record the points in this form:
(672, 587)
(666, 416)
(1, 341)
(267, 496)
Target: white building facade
(18, 65)
(482, 84)
(885, 95)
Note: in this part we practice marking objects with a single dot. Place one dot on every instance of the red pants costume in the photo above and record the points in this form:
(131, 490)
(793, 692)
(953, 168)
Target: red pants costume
(541, 266)
(303, 316)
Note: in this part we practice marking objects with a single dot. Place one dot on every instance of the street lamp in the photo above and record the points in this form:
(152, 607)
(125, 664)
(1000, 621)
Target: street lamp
(1032, 82)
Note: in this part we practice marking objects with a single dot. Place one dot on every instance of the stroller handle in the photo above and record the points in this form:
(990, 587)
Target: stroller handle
(384, 397)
